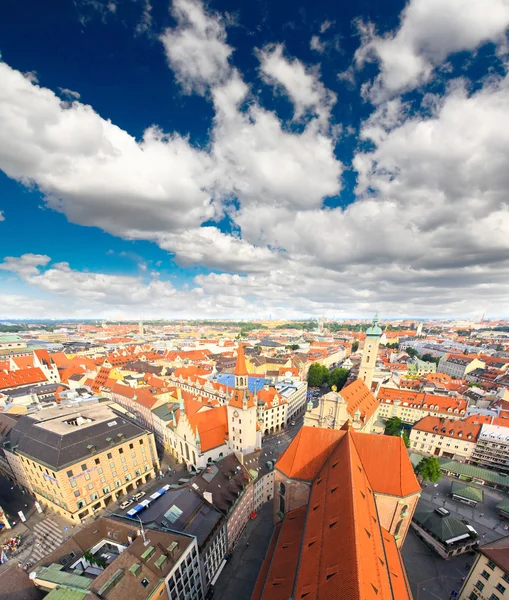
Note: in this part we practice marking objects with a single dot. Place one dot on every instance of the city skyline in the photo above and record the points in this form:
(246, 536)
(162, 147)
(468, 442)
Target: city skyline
(184, 160)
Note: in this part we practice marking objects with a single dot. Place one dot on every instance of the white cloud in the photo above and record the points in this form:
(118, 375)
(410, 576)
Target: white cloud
(196, 48)
(316, 44)
(428, 233)
(325, 26)
(31, 76)
(2, 216)
(145, 23)
(429, 31)
(303, 86)
(68, 93)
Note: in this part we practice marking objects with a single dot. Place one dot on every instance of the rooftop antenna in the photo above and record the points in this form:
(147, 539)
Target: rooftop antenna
(145, 541)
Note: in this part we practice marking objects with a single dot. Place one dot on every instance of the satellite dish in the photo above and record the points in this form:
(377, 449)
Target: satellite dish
(33, 575)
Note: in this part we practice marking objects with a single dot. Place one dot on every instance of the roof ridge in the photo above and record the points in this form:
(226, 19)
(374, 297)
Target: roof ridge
(273, 553)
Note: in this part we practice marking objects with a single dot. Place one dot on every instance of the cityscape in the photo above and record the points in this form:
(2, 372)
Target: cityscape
(254, 317)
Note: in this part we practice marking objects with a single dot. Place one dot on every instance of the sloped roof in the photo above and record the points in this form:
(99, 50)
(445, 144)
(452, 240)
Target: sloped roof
(240, 365)
(388, 468)
(359, 398)
(467, 491)
(451, 428)
(307, 453)
(498, 552)
(442, 527)
(212, 426)
(21, 377)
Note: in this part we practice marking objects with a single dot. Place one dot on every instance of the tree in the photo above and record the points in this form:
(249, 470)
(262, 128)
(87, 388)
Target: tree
(292, 347)
(338, 378)
(406, 440)
(393, 426)
(429, 469)
(411, 352)
(317, 375)
(427, 358)
(355, 346)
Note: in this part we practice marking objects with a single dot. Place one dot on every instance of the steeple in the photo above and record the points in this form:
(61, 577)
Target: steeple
(241, 378)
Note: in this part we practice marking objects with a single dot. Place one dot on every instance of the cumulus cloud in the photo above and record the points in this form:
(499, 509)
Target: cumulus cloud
(316, 44)
(428, 233)
(196, 48)
(303, 86)
(429, 31)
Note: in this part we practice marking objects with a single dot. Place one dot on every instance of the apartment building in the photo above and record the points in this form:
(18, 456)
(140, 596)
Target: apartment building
(489, 576)
(294, 392)
(79, 460)
(437, 436)
(114, 560)
(492, 448)
(411, 406)
(459, 365)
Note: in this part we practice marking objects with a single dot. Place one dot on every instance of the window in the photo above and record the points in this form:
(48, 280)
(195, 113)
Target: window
(97, 461)
(112, 465)
(133, 454)
(109, 455)
(141, 442)
(131, 446)
(479, 585)
(84, 467)
(398, 528)
(121, 451)
(77, 493)
(69, 473)
(473, 596)
(90, 486)
(494, 597)
(73, 483)
(500, 588)
(486, 575)
(87, 476)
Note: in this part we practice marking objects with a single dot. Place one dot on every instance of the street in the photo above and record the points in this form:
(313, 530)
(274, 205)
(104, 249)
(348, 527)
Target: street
(430, 576)
(13, 499)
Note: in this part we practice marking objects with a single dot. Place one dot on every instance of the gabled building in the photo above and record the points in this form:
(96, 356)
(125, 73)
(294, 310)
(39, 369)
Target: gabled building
(343, 504)
(448, 438)
(489, 575)
(355, 403)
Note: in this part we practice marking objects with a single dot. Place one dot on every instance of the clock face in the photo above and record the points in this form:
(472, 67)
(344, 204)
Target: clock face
(235, 414)
(370, 345)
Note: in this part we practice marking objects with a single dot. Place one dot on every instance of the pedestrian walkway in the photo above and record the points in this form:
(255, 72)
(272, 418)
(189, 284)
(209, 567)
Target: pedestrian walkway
(48, 537)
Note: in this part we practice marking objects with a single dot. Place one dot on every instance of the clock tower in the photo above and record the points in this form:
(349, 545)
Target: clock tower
(242, 429)
(370, 353)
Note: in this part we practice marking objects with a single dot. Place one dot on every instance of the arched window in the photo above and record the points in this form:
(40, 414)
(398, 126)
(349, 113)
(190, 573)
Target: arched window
(367, 358)
(398, 528)
(404, 510)
(282, 488)
(281, 504)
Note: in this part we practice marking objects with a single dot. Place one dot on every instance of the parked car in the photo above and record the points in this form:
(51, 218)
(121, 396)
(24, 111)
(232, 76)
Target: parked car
(139, 495)
(126, 503)
(292, 423)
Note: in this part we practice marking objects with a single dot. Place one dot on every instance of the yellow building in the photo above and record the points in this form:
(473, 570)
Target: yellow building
(489, 575)
(80, 460)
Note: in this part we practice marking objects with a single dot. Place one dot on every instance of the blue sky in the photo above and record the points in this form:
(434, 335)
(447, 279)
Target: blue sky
(181, 159)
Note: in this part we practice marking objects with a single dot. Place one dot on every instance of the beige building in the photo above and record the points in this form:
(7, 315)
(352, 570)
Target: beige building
(411, 406)
(435, 436)
(488, 578)
(80, 460)
(354, 403)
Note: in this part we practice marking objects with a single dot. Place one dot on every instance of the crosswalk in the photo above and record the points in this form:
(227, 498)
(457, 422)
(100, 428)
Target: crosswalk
(48, 537)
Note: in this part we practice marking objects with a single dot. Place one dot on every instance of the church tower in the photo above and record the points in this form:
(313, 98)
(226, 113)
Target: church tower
(370, 353)
(242, 410)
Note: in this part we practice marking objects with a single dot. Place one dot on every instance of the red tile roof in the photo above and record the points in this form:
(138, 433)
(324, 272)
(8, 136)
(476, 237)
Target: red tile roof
(422, 400)
(307, 453)
(449, 428)
(21, 377)
(212, 426)
(385, 459)
(359, 398)
(344, 553)
(240, 366)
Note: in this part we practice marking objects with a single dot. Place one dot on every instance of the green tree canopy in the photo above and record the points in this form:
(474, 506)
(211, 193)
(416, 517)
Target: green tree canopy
(317, 375)
(429, 469)
(393, 426)
(355, 346)
(406, 440)
(338, 378)
(411, 352)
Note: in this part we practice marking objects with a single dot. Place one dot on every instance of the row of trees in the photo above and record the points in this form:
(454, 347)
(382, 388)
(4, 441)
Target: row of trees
(319, 375)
